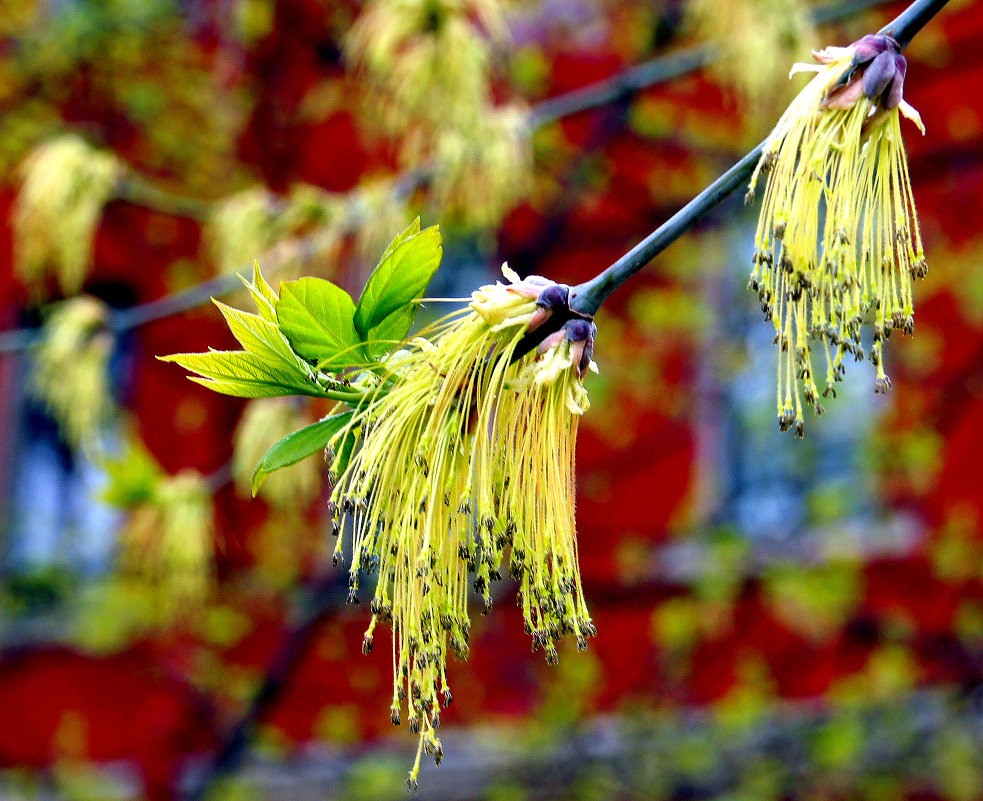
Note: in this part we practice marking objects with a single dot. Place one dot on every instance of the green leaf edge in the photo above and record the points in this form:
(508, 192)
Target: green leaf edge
(299, 445)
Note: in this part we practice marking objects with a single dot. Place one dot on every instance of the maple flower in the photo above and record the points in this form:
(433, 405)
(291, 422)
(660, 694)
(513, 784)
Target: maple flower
(837, 242)
(71, 372)
(468, 450)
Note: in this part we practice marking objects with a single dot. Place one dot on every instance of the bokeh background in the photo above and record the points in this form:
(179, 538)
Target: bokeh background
(777, 618)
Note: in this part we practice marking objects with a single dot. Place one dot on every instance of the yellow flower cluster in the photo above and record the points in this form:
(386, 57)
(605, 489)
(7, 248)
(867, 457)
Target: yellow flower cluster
(480, 173)
(469, 452)
(253, 221)
(426, 69)
(65, 184)
(755, 40)
(426, 61)
(243, 225)
(837, 242)
(71, 369)
(166, 545)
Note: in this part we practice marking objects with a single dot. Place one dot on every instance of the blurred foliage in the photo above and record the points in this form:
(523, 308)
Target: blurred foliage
(114, 57)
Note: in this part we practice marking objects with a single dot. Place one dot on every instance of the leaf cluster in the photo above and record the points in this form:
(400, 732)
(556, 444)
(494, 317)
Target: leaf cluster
(314, 339)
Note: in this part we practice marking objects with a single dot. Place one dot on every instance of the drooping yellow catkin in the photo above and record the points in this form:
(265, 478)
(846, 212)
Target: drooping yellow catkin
(467, 453)
(755, 40)
(65, 184)
(167, 543)
(837, 242)
(71, 369)
(242, 226)
(403, 50)
(479, 174)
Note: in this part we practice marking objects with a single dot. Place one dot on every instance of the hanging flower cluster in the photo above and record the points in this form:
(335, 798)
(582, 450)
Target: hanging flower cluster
(754, 40)
(471, 452)
(457, 447)
(837, 242)
(165, 569)
(426, 62)
(65, 184)
(71, 370)
(166, 544)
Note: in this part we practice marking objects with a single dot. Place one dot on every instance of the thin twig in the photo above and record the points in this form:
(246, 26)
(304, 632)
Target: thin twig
(136, 189)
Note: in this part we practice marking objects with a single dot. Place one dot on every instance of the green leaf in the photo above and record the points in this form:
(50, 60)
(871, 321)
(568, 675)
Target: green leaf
(262, 293)
(267, 367)
(411, 230)
(263, 338)
(245, 375)
(343, 454)
(401, 276)
(391, 331)
(316, 317)
(299, 444)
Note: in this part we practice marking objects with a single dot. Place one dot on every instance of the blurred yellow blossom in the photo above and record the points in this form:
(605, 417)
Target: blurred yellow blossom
(65, 184)
(71, 369)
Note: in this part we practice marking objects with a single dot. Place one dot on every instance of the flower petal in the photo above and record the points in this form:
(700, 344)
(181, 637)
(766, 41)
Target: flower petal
(895, 92)
(878, 75)
(909, 111)
(800, 67)
(844, 97)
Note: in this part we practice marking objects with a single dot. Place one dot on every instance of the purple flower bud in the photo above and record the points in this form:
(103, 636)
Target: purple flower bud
(554, 296)
(895, 92)
(870, 46)
(879, 74)
(577, 330)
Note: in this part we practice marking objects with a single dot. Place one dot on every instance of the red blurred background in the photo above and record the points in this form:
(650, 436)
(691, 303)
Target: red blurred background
(776, 618)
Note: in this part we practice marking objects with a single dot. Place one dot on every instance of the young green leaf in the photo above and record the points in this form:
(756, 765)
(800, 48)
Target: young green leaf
(401, 276)
(411, 230)
(297, 445)
(316, 317)
(262, 337)
(245, 375)
(263, 294)
(343, 452)
(385, 336)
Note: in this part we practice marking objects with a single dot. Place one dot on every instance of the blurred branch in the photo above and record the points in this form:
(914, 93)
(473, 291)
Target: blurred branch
(323, 594)
(138, 190)
(663, 69)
